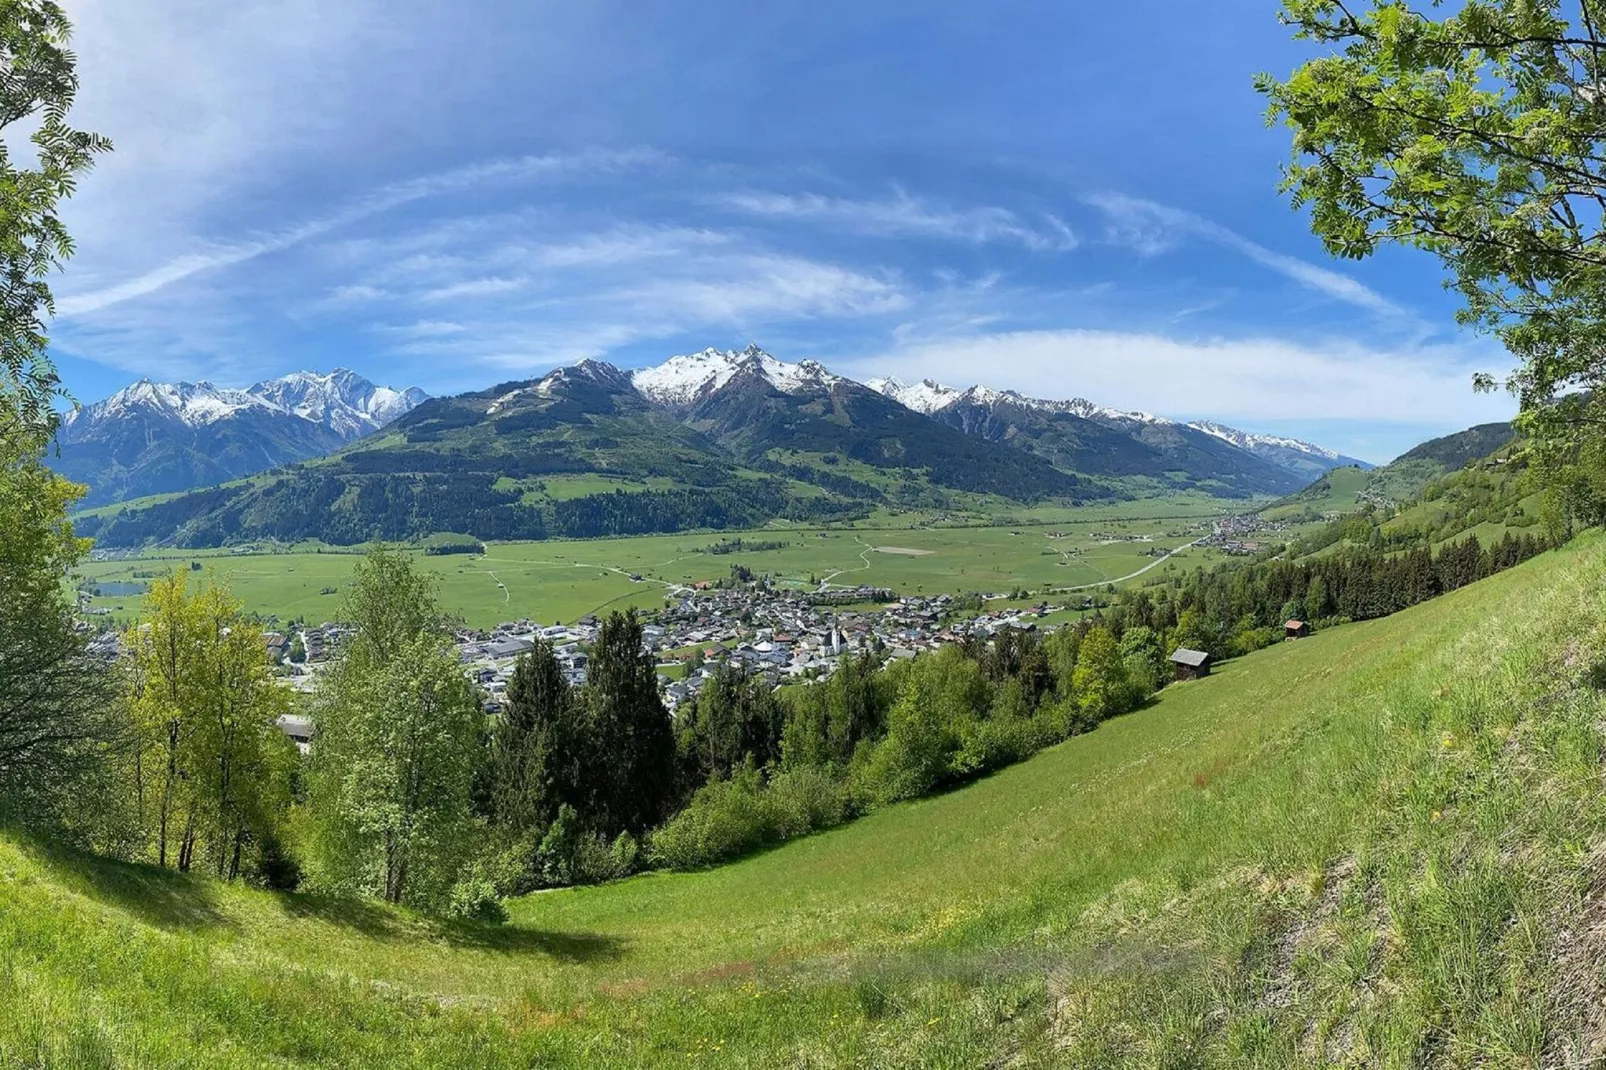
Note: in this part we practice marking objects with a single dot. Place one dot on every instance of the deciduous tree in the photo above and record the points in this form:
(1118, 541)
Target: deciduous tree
(1477, 132)
(40, 83)
(212, 769)
(396, 747)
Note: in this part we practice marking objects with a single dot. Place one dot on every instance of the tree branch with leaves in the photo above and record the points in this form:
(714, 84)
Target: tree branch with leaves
(1476, 133)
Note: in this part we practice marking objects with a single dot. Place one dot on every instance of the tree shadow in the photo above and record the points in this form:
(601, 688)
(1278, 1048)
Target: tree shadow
(519, 940)
(160, 897)
(383, 923)
(366, 918)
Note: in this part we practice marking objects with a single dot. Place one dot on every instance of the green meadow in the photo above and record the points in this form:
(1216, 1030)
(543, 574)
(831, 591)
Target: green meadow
(1377, 846)
(561, 580)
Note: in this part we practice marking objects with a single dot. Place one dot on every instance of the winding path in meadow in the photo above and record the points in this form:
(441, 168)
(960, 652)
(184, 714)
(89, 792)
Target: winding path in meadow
(1133, 575)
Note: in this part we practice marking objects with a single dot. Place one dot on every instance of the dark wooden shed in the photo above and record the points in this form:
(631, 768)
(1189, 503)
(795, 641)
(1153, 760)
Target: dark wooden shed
(1295, 629)
(1190, 664)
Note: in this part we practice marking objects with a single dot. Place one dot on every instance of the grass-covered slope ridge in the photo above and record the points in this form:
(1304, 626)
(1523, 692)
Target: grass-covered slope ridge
(1377, 846)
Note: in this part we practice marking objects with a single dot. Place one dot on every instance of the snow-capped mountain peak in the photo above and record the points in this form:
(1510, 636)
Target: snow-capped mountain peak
(926, 396)
(684, 380)
(1091, 411)
(192, 404)
(1249, 440)
(929, 396)
(342, 400)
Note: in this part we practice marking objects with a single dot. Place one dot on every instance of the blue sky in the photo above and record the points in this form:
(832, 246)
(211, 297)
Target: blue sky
(1070, 199)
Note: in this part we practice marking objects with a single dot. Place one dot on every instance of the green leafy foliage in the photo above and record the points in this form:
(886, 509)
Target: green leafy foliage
(1473, 131)
(398, 742)
(58, 717)
(210, 768)
(38, 90)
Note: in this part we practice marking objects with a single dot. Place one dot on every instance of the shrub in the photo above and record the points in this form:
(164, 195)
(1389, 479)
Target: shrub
(571, 854)
(805, 800)
(915, 757)
(730, 817)
(724, 819)
(995, 743)
(474, 899)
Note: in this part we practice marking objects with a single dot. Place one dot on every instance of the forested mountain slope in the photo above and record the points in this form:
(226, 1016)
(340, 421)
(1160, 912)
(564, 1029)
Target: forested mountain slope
(1174, 455)
(583, 451)
(1374, 846)
(1407, 477)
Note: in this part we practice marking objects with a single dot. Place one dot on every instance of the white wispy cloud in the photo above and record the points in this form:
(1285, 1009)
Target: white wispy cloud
(384, 199)
(905, 215)
(489, 286)
(1248, 379)
(1151, 228)
(768, 286)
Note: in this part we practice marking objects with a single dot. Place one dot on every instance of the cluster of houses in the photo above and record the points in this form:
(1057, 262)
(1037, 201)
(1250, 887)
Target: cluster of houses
(780, 635)
(1243, 534)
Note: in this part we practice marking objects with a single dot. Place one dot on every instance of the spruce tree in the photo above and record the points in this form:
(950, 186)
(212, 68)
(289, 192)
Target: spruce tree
(537, 747)
(629, 773)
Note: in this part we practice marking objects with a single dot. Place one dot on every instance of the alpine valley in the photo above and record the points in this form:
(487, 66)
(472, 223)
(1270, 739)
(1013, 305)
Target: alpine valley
(717, 439)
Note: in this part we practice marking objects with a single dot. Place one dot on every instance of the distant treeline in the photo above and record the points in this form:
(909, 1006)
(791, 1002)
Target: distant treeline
(738, 544)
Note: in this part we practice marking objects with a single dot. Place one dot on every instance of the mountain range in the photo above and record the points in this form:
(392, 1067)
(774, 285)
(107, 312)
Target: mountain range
(157, 438)
(710, 439)
(1005, 414)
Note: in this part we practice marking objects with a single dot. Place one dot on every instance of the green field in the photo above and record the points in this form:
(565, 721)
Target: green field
(1372, 847)
(561, 580)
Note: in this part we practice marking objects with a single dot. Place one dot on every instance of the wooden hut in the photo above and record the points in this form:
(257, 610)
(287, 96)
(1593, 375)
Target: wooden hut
(1295, 629)
(1190, 664)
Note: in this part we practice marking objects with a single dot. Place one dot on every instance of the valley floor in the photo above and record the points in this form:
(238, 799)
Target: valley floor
(1378, 846)
(562, 580)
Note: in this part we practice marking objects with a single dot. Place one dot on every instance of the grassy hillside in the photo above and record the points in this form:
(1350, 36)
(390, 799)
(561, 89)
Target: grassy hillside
(1337, 491)
(1402, 480)
(1376, 846)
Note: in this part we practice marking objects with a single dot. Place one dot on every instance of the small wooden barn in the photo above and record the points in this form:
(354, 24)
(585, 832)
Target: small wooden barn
(1295, 629)
(1190, 664)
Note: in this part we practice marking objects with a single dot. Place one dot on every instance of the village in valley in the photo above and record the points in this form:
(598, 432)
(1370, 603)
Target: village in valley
(780, 635)
(773, 630)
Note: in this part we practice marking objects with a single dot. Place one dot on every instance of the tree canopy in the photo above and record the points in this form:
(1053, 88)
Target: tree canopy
(1478, 133)
(38, 87)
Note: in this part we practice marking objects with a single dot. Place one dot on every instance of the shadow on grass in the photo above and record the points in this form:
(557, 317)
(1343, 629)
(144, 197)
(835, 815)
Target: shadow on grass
(160, 897)
(379, 922)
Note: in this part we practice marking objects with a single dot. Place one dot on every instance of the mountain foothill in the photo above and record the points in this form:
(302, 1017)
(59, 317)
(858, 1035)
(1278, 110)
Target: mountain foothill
(716, 439)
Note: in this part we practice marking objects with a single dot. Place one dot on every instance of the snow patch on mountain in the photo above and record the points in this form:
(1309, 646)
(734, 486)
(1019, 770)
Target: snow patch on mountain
(685, 380)
(929, 396)
(192, 404)
(1249, 440)
(342, 400)
(1091, 411)
(926, 396)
